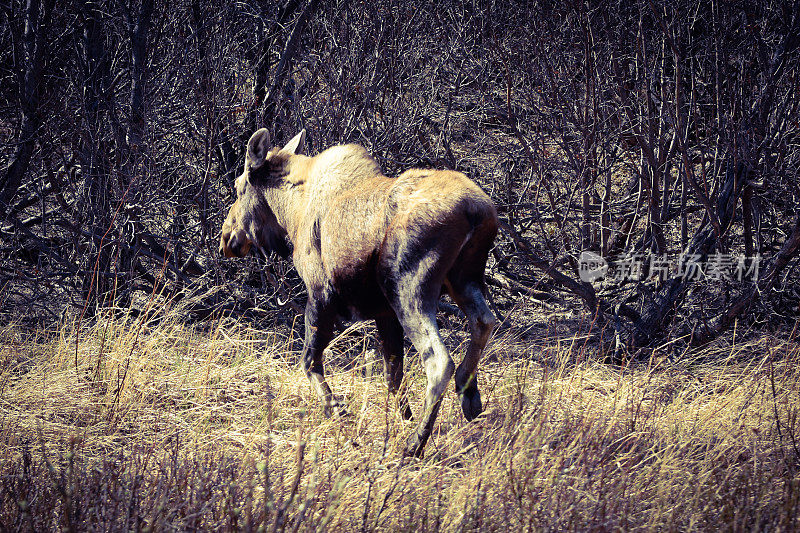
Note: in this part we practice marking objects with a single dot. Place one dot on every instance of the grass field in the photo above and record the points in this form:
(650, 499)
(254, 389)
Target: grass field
(159, 426)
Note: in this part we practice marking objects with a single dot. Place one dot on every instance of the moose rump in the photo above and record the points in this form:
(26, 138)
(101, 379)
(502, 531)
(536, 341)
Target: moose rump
(373, 247)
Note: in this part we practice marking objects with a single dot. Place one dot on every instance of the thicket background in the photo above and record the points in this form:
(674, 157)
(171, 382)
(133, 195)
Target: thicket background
(617, 127)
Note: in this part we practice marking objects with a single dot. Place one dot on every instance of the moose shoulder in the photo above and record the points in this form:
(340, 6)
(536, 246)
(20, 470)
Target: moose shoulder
(375, 247)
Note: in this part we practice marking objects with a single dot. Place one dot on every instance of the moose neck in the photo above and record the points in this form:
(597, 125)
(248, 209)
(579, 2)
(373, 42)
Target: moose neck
(288, 199)
(282, 204)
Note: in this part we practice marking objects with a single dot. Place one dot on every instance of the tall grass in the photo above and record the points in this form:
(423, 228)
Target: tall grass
(154, 426)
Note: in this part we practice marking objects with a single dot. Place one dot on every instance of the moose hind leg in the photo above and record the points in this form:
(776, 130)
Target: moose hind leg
(390, 334)
(413, 271)
(424, 334)
(481, 323)
(319, 332)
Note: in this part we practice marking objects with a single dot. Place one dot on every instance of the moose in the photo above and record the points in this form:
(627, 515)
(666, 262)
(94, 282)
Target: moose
(368, 246)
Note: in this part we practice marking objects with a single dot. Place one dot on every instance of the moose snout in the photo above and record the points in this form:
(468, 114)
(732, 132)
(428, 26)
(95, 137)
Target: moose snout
(234, 244)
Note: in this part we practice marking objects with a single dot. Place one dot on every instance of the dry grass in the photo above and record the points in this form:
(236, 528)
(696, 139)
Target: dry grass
(165, 427)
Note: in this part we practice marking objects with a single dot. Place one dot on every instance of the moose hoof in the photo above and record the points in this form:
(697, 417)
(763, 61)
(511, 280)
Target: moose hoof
(471, 404)
(334, 408)
(414, 446)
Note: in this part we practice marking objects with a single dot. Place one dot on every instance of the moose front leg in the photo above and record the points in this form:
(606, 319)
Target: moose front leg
(319, 332)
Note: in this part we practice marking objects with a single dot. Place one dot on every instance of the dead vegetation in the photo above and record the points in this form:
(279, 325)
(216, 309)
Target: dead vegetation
(161, 426)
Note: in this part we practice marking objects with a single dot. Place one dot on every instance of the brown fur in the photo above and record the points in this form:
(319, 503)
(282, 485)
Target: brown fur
(372, 247)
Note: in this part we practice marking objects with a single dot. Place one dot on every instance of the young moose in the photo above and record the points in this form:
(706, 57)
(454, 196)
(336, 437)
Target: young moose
(372, 247)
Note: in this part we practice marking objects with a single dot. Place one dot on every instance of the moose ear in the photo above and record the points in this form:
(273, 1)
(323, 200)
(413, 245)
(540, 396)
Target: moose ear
(297, 145)
(257, 148)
